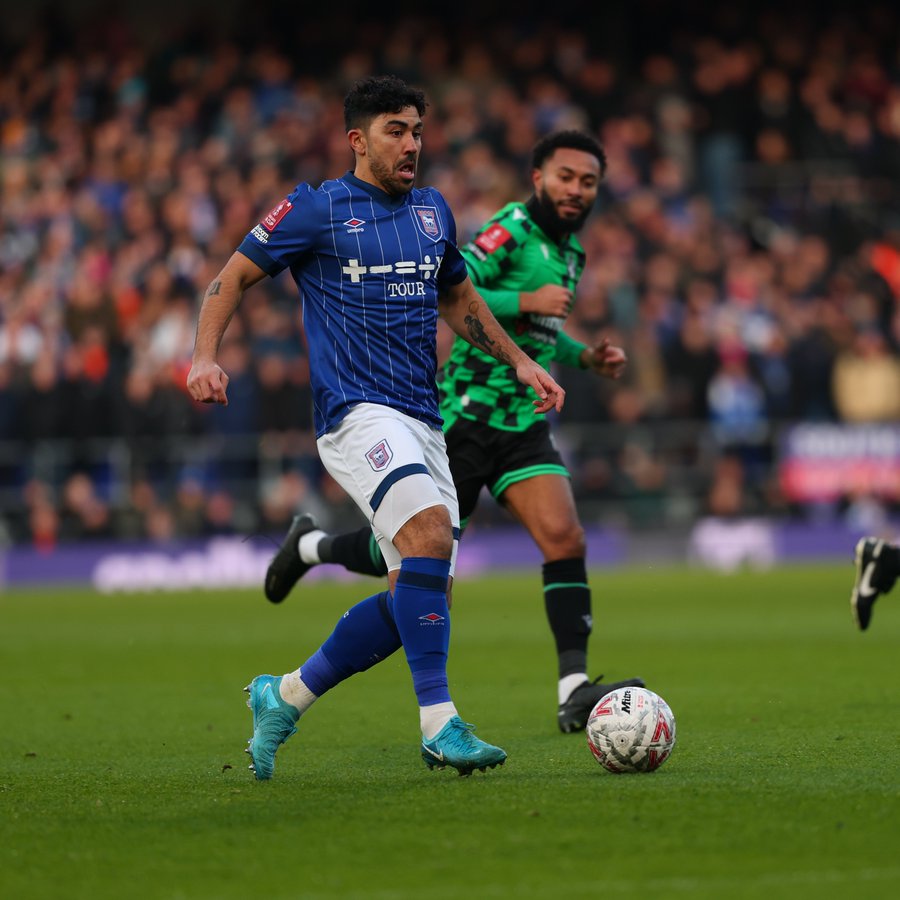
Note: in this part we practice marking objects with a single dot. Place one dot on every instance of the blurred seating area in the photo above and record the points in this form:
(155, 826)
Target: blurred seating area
(745, 249)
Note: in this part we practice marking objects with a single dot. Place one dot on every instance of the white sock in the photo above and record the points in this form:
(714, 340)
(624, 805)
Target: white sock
(294, 691)
(308, 545)
(433, 718)
(568, 683)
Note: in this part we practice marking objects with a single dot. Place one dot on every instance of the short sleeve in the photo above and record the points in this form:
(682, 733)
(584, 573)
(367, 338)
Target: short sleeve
(453, 267)
(285, 233)
(491, 251)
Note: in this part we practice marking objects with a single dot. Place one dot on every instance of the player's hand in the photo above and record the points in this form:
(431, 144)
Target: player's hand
(207, 382)
(550, 394)
(605, 359)
(549, 300)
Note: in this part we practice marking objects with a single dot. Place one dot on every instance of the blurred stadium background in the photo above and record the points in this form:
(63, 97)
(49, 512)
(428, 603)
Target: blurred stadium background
(745, 251)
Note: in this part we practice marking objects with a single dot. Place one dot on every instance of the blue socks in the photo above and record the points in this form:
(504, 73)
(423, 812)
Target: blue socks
(363, 637)
(423, 622)
(416, 617)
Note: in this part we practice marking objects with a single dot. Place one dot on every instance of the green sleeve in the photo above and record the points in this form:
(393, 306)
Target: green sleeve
(568, 351)
(502, 303)
(491, 254)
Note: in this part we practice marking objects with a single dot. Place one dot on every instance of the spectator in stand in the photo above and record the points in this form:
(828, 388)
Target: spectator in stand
(866, 380)
(127, 174)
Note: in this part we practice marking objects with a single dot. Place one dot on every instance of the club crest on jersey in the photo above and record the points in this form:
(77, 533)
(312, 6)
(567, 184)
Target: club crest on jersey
(277, 214)
(380, 456)
(428, 222)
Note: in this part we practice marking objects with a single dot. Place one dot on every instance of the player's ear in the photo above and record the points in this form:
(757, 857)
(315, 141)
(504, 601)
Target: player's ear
(537, 179)
(357, 139)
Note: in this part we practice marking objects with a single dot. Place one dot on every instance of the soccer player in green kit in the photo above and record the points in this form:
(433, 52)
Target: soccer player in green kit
(526, 263)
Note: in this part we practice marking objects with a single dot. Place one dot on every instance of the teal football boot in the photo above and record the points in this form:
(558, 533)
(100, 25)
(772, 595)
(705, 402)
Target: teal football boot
(455, 745)
(273, 723)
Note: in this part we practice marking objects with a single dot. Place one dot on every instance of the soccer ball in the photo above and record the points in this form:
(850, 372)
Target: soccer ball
(631, 729)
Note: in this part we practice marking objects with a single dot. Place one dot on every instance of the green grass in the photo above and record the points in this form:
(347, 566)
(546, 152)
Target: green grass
(123, 725)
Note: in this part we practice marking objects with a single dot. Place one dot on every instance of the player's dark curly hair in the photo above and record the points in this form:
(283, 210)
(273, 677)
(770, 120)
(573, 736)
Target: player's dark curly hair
(570, 140)
(379, 94)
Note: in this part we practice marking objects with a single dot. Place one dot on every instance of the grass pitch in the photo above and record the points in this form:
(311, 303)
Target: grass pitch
(122, 772)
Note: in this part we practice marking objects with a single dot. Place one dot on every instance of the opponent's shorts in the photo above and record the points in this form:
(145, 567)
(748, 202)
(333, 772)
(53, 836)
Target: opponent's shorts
(481, 455)
(393, 466)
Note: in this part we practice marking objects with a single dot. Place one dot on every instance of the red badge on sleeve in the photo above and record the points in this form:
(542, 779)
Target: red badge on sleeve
(492, 238)
(277, 214)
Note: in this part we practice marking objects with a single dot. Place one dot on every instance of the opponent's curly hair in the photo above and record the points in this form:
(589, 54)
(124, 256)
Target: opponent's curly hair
(570, 140)
(379, 94)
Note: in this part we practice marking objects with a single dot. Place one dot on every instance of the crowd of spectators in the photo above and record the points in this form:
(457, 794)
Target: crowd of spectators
(745, 249)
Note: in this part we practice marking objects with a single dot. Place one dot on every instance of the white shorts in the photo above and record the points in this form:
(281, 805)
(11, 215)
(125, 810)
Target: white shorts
(393, 466)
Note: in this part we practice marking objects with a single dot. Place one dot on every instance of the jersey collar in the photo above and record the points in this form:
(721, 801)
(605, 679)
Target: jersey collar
(385, 199)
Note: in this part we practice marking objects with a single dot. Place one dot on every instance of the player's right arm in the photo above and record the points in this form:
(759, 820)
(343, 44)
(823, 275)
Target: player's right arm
(471, 318)
(495, 250)
(548, 300)
(206, 381)
(270, 247)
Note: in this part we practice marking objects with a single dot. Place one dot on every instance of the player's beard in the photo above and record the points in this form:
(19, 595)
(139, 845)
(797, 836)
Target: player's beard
(554, 220)
(387, 178)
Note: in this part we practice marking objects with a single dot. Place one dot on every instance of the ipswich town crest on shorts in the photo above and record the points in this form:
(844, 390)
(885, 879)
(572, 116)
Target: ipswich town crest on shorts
(380, 456)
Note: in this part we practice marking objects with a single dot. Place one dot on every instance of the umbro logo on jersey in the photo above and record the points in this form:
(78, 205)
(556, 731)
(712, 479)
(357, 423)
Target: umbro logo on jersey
(354, 225)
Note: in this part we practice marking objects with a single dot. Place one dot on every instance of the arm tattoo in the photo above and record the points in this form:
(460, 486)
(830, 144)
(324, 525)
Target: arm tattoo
(479, 338)
(214, 289)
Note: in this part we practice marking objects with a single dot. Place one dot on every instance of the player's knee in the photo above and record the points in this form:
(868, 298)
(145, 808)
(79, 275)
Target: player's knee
(428, 533)
(563, 541)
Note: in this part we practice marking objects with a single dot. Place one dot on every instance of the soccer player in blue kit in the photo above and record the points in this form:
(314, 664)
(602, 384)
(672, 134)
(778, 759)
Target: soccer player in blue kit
(375, 261)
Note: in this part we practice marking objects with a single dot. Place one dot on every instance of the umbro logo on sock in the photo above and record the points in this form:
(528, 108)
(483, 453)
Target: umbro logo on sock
(431, 619)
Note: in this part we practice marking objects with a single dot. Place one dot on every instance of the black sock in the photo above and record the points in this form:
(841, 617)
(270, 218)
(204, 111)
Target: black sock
(357, 552)
(567, 599)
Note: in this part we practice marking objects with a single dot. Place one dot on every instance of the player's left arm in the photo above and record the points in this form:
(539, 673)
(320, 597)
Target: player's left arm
(463, 309)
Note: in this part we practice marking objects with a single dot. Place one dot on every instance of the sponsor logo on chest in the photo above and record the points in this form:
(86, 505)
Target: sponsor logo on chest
(426, 270)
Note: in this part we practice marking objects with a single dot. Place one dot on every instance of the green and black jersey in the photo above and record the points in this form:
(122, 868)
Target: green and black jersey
(510, 254)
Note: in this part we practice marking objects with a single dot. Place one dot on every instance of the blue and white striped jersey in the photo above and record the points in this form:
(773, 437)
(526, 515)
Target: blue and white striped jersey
(368, 267)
